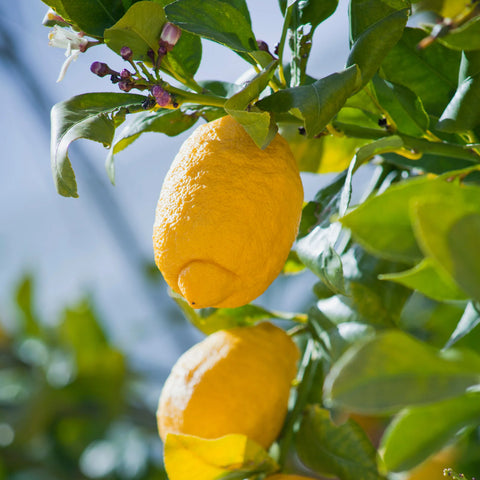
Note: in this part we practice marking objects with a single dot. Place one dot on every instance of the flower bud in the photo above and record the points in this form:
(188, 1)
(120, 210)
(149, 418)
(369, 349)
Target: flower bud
(262, 45)
(126, 53)
(170, 35)
(162, 97)
(151, 55)
(125, 85)
(125, 74)
(100, 69)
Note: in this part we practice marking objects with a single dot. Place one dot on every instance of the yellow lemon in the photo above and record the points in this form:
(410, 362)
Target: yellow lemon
(227, 215)
(234, 381)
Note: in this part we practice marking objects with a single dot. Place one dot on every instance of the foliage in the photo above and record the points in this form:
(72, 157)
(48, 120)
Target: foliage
(69, 403)
(393, 331)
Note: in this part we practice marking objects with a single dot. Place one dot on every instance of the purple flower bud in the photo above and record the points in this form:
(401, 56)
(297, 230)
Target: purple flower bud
(262, 45)
(125, 85)
(126, 53)
(100, 69)
(170, 35)
(162, 97)
(125, 74)
(151, 55)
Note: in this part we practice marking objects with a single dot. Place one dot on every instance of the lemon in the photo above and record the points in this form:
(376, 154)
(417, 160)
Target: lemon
(234, 381)
(227, 216)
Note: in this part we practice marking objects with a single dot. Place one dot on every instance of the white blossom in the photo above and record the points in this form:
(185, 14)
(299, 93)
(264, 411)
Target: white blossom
(73, 42)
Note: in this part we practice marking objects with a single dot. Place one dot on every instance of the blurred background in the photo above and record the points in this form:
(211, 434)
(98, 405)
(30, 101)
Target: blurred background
(88, 332)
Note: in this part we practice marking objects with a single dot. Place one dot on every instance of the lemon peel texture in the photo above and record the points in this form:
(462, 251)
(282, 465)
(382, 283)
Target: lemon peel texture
(227, 216)
(234, 381)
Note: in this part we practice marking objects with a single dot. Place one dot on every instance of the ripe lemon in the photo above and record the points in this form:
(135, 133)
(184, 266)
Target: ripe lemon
(227, 215)
(234, 381)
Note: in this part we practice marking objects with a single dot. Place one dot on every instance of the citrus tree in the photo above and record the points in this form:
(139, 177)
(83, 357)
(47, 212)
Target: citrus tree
(389, 362)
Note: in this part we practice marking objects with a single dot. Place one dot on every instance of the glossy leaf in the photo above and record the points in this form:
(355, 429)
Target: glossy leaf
(258, 124)
(225, 22)
(395, 370)
(462, 113)
(317, 253)
(372, 46)
(382, 224)
(429, 280)
(374, 302)
(343, 451)
(403, 106)
(418, 432)
(317, 103)
(183, 61)
(470, 319)
(208, 459)
(365, 13)
(327, 154)
(209, 320)
(139, 29)
(305, 18)
(94, 16)
(169, 122)
(448, 228)
(466, 37)
(84, 116)
(431, 73)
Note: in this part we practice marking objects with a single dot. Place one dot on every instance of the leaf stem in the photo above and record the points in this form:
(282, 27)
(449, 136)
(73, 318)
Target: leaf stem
(443, 149)
(281, 45)
(198, 98)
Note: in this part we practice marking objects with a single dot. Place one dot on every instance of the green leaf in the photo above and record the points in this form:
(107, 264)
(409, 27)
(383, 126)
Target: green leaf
(343, 450)
(169, 122)
(140, 29)
(316, 252)
(394, 370)
(258, 125)
(429, 280)
(470, 319)
(326, 154)
(305, 18)
(93, 16)
(221, 89)
(317, 103)
(24, 301)
(225, 22)
(448, 227)
(403, 106)
(373, 44)
(84, 116)
(382, 224)
(430, 73)
(416, 433)
(462, 113)
(185, 58)
(365, 13)
(466, 37)
(373, 301)
(209, 320)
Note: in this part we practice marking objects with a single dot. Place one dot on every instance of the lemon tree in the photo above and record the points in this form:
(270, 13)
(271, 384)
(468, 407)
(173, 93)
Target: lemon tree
(389, 364)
